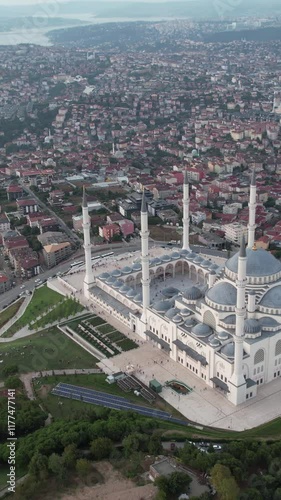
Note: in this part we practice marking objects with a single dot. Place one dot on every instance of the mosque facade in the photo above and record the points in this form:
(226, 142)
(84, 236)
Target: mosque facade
(225, 328)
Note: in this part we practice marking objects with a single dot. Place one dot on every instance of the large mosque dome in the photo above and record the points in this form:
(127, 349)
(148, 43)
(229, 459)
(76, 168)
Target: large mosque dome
(260, 263)
(223, 293)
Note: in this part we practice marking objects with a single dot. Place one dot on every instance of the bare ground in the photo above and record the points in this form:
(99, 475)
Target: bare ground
(115, 487)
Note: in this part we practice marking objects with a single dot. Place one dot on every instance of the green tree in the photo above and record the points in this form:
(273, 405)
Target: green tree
(224, 482)
(38, 466)
(56, 466)
(69, 456)
(83, 468)
(10, 370)
(174, 484)
(13, 382)
(101, 448)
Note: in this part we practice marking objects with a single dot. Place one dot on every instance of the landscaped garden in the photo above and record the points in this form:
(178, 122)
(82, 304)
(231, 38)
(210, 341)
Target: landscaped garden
(68, 307)
(43, 299)
(47, 350)
(10, 312)
(104, 337)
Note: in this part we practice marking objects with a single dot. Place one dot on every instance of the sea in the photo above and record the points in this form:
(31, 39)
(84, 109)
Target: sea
(38, 34)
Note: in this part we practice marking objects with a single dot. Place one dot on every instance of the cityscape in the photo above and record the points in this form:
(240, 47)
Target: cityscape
(140, 251)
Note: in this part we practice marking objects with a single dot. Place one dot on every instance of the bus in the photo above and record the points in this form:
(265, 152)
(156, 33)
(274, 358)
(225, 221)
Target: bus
(96, 258)
(107, 254)
(77, 263)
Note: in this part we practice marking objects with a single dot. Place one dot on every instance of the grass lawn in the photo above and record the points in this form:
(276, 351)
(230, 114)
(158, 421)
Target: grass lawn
(42, 299)
(105, 328)
(64, 309)
(96, 321)
(10, 312)
(47, 350)
(114, 336)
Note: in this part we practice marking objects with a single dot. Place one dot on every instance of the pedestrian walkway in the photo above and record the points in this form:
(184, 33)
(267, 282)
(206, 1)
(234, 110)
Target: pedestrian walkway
(17, 315)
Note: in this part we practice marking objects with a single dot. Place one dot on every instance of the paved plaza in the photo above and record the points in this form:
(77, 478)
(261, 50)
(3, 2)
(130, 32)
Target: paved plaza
(203, 405)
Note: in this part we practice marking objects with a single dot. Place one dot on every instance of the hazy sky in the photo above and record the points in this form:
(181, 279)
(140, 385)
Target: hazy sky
(38, 2)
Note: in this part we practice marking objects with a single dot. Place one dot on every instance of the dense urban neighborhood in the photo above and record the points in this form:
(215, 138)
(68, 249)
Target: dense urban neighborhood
(140, 247)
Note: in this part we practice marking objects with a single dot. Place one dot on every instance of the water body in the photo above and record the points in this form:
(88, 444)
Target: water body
(38, 34)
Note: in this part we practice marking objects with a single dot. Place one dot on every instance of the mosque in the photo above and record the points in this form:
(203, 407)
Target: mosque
(222, 323)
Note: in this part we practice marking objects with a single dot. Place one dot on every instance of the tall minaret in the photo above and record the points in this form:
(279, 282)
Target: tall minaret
(89, 278)
(185, 220)
(237, 383)
(252, 211)
(145, 259)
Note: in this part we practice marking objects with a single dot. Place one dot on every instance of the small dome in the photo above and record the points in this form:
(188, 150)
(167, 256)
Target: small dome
(124, 289)
(104, 276)
(110, 280)
(116, 273)
(155, 262)
(272, 298)
(259, 263)
(166, 258)
(136, 266)
(201, 330)
(192, 293)
(189, 322)
(138, 298)
(172, 312)
(214, 341)
(229, 320)
(177, 319)
(198, 259)
(185, 312)
(267, 322)
(223, 293)
(213, 266)
(228, 350)
(169, 292)
(175, 255)
(222, 336)
(162, 306)
(184, 252)
(191, 256)
(117, 284)
(131, 293)
(126, 270)
(252, 326)
(205, 263)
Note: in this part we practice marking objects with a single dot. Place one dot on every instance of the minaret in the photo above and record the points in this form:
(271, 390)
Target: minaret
(185, 220)
(237, 383)
(145, 259)
(89, 278)
(252, 211)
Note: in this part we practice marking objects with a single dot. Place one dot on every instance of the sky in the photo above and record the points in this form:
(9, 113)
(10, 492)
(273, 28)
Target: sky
(8, 3)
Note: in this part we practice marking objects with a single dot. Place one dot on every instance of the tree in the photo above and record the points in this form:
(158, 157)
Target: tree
(10, 370)
(174, 484)
(69, 456)
(101, 448)
(13, 383)
(56, 466)
(83, 468)
(224, 482)
(155, 445)
(38, 466)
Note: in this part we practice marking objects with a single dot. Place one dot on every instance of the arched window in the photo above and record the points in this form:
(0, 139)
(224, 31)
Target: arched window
(209, 319)
(278, 348)
(259, 356)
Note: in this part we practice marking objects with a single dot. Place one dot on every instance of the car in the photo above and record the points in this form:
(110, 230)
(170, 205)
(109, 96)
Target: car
(36, 281)
(22, 286)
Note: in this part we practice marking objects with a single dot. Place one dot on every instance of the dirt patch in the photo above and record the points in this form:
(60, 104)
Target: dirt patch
(44, 390)
(115, 487)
